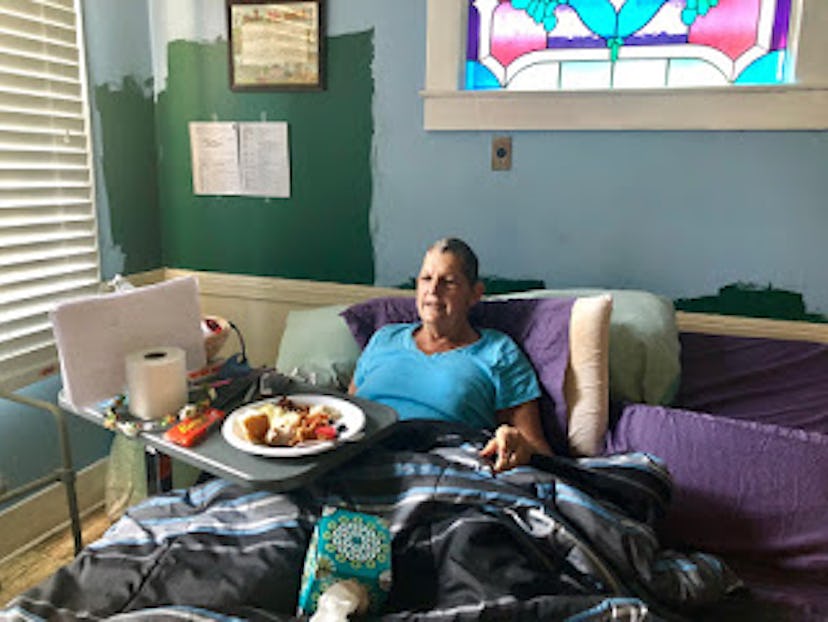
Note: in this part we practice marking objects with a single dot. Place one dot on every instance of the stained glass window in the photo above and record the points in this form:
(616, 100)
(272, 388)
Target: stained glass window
(553, 45)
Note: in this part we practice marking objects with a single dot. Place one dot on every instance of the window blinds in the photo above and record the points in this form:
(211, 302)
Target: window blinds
(48, 232)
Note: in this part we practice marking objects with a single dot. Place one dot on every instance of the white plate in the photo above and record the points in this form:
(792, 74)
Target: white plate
(352, 418)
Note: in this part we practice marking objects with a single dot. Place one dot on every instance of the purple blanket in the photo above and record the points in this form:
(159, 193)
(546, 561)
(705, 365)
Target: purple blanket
(766, 486)
(764, 380)
(755, 493)
(748, 452)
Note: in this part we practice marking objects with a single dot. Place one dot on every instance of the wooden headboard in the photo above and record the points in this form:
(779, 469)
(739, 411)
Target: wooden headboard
(751, 327)
(258, 306)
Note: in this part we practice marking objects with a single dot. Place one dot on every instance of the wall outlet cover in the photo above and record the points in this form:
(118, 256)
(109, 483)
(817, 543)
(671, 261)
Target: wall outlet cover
(501, 153)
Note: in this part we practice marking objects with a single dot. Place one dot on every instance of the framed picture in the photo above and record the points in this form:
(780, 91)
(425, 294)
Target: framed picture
(277, 45)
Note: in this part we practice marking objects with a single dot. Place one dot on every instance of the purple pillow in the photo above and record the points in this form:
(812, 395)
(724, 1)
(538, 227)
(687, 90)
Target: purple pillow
(540, 326)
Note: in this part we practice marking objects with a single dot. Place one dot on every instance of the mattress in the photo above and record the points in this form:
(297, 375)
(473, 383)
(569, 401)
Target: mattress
(747, 446)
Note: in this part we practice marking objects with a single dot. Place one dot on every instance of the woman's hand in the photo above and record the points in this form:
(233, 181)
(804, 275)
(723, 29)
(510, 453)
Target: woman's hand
(518, 437)
(509, 448)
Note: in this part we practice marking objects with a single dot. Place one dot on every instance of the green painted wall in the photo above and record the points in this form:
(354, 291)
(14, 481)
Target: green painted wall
(130, 167)
(752, 300)
(322, 231)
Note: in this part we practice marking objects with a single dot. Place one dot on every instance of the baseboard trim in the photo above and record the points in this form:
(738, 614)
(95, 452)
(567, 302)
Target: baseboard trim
(44, 513)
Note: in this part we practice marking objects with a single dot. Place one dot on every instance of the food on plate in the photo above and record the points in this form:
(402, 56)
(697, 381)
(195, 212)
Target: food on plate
(284, 423)
(253, 427)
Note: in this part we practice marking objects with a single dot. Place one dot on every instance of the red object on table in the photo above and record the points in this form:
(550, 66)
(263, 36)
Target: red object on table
(191, 430)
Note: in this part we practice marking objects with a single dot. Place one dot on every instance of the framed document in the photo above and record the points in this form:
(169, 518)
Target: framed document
(277, 45)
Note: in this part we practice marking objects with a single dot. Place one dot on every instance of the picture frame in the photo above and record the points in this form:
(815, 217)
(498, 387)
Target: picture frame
(276, 45)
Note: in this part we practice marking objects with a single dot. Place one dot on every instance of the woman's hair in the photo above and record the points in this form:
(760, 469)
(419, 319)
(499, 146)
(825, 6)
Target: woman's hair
(463, 252)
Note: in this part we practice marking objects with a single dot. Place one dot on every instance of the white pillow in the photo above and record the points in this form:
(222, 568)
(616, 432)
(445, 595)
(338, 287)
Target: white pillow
(586, 383)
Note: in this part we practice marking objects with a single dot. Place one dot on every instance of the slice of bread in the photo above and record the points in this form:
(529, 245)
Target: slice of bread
(253, 427)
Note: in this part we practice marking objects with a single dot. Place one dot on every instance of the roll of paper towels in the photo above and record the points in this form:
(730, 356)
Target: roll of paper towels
(156, 381)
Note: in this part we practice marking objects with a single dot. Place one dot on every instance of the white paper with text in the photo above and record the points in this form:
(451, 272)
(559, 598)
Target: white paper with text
(264, 160)
(241, 158)
(215, 156)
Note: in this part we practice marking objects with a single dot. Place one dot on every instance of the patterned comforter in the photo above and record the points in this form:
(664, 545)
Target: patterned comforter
(560, 540)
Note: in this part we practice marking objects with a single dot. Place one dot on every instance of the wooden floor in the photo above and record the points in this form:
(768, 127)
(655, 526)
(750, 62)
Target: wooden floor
(23, 571)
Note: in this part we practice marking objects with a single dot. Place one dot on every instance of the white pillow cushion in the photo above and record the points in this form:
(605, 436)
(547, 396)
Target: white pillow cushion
(586, 384)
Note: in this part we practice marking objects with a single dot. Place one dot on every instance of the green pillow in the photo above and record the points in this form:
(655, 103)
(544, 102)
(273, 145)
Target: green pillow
(644, 349)
(317, 347)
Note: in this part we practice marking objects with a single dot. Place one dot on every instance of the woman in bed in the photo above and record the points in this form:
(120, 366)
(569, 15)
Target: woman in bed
(443, 368)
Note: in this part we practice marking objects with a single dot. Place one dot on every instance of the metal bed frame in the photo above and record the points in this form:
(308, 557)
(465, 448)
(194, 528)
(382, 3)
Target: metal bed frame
(65, 473)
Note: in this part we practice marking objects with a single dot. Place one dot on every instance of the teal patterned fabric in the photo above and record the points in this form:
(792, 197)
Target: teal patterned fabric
(347, 545)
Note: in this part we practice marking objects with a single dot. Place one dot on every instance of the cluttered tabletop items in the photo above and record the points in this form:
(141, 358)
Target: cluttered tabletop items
(253, 426)
(259, 428)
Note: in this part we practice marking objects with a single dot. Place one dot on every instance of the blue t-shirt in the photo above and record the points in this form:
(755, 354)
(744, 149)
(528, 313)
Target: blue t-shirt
(466, 385)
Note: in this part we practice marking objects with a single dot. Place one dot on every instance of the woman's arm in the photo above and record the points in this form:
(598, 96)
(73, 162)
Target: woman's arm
(519, 436)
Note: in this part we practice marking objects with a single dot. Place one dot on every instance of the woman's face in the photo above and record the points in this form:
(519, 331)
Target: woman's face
(444, 294)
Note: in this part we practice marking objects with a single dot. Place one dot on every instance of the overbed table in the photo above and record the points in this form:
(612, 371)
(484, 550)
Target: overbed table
(216, 456)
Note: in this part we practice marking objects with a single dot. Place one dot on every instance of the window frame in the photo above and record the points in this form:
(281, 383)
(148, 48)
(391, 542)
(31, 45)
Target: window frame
(446, 106)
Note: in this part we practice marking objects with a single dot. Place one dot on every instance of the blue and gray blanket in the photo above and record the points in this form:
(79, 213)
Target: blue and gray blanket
(559, 540)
